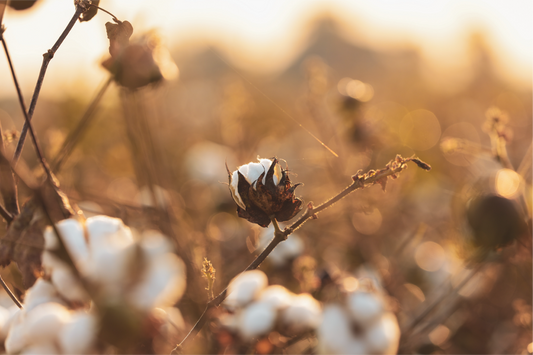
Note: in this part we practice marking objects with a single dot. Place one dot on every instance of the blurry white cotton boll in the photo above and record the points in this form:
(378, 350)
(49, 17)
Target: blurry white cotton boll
(277, 296)
(44, 322)
(286, 251)
(163, 280)
(5, 316)
(383, 336)
(244, 288)
(257, 319)
(365, 307)
(335, 335)
(79, 334)
(205, 159)
(43, 349)
(41, 292)
(359, 326)
(302, 314)
(68, 285)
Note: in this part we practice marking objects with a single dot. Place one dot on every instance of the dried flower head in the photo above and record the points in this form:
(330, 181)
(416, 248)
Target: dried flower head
(263, 191)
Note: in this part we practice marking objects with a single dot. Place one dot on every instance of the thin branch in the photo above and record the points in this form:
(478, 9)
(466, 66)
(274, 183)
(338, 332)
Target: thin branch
(47, 57)
(392, 169)
(13, 297)
(74, 136)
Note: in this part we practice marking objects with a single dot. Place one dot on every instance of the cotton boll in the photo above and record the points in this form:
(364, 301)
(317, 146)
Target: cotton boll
(162, 284)
(244, 288)
(16, 337)
(257, 319)
(154, 243)
(13, 311)
(41, 348)
(68, 285)
(384, 335)
(364, 307)
(101, 228)
(5, 315)
(73, 237)
(110, 268)
(41, 292)
(278, 296)
(335, 335)
(44, 322)
(79, 334)
(302, 314)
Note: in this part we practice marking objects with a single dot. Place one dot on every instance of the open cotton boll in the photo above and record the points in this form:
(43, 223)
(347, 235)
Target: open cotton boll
(384, 335)
(41, 348)
(257, 319)
(162, 284)
(4, 318)
(72, 235)
(334, 332)
(68, 285)
(41, 292)
(244, 288)
(276, 295)
(13, 311)
(45, 321)
(303, 313)
(79, 334)
(100, 228)
(251, 172)
(16, 336)
(364, 307)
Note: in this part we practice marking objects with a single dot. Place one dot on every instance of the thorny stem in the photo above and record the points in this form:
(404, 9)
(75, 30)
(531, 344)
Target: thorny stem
(47, 57)
(73, 138)
(13, 297)
(359, 181)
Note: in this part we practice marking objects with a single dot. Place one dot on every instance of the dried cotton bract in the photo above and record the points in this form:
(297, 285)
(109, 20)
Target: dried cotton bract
(263, 191)
(359, 326)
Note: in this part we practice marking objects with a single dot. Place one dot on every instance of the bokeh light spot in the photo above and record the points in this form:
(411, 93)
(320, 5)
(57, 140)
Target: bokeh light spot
(429, 256)
(449, 144)
(350, 284)
(507, 183)
(420, 129)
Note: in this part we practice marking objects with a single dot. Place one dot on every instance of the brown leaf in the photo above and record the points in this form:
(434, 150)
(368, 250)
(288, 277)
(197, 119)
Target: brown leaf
(119, 36)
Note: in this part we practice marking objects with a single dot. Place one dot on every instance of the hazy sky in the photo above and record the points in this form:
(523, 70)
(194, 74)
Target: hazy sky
(251, 31)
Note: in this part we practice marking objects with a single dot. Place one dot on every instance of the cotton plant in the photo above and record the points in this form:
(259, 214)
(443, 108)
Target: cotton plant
(256, 309)
(120, 277)
(359, 324)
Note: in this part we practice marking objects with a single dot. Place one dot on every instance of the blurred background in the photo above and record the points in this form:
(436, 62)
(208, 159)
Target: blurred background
(448, 81)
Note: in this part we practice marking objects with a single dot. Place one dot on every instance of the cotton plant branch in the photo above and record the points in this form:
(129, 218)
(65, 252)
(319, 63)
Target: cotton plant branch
(81, 7)
(360, 181)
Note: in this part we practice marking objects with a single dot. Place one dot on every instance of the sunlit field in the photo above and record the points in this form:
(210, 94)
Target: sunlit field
(284, 177)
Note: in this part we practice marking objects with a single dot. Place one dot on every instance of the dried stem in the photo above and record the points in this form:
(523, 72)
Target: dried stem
(74, 136)
(360, 181)
(13, 297)
(47, 57)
